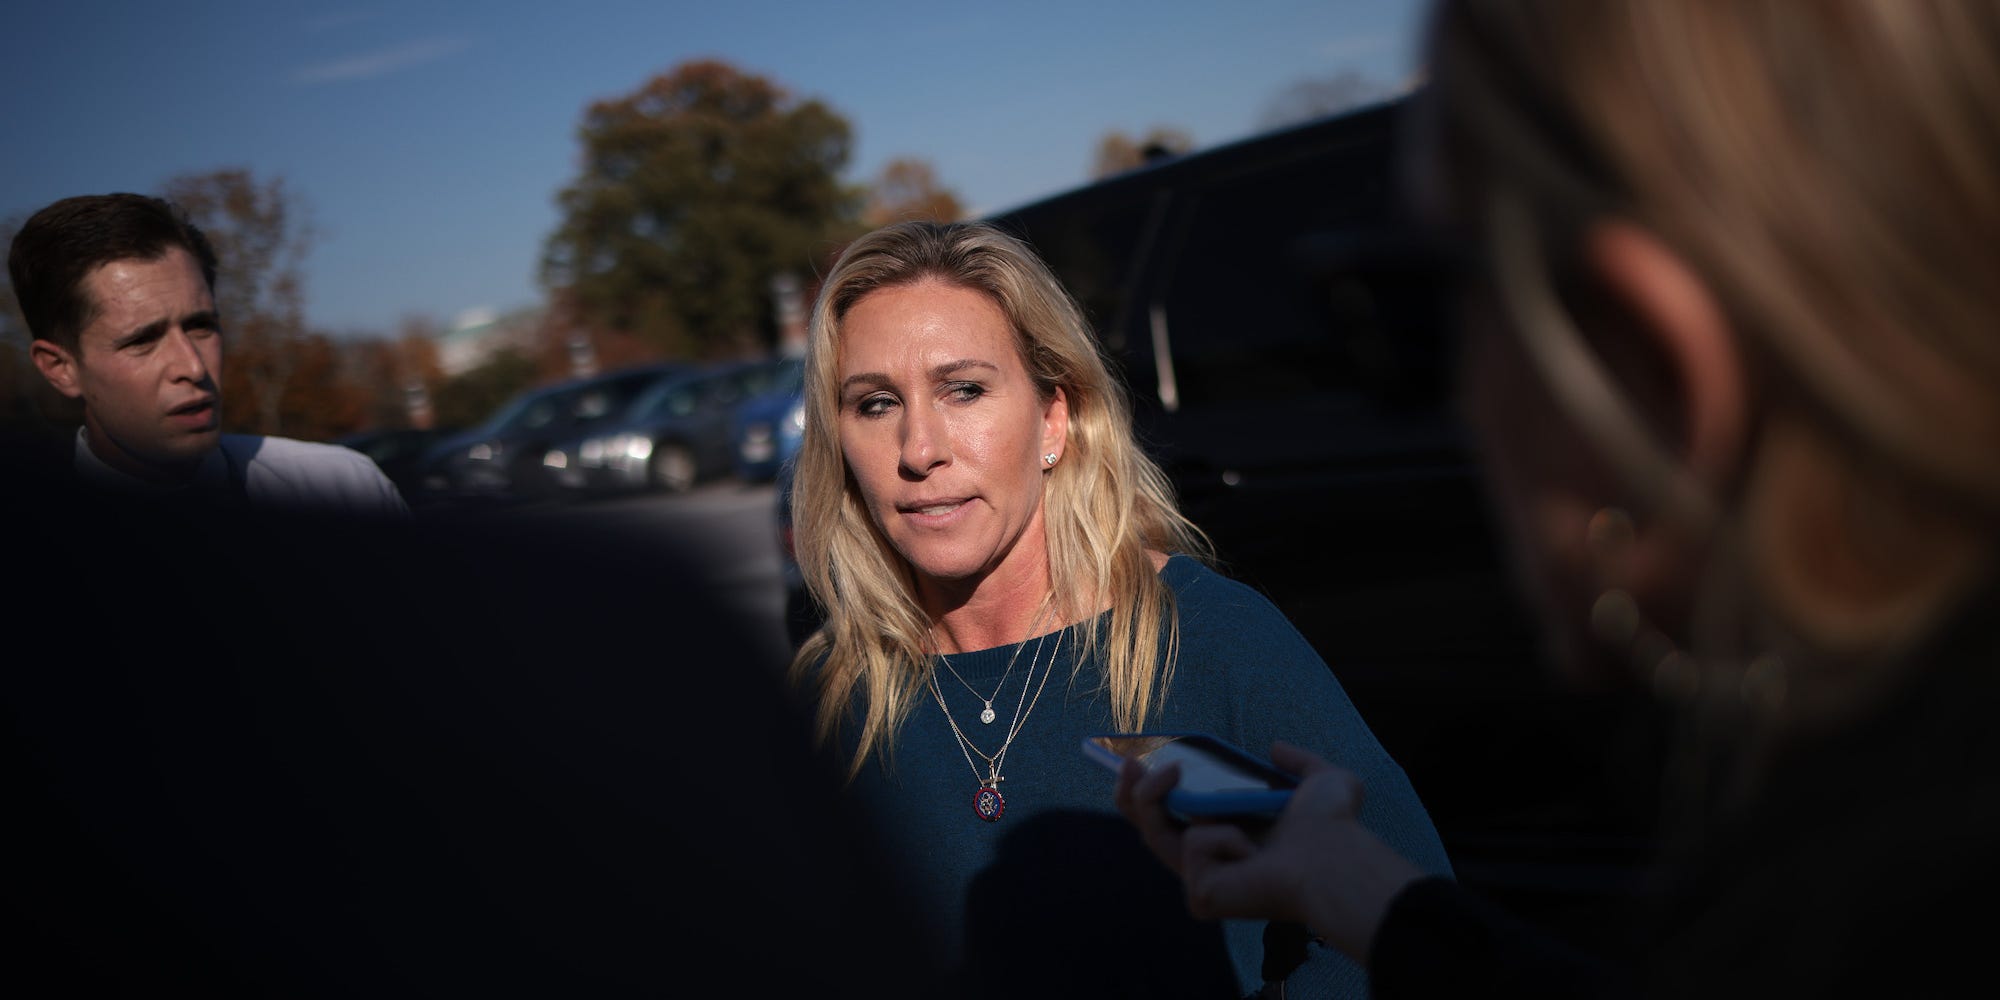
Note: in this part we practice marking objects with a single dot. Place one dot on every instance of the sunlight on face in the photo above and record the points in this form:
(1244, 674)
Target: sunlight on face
(944, 433)
(148, 365)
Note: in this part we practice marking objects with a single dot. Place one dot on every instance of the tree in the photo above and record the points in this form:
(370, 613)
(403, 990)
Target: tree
(1118, 152)
(695, 190)
(1317, 97)
(372, 365)
(261, 236)
(321, 399)
(908, 188)
(472, 397)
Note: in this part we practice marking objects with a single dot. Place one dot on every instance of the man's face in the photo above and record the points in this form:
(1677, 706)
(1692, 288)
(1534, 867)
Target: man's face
(146, 367)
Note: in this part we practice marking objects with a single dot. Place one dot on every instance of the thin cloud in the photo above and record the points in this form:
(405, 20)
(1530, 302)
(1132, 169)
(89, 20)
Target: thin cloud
(381, 62)
(1356, 46)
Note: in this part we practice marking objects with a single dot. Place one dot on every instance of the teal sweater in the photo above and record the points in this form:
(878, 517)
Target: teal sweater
(1244, 674)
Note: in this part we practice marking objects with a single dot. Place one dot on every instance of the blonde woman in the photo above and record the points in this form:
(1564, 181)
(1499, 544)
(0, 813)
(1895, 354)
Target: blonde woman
(1734, 357)
(1004, 572)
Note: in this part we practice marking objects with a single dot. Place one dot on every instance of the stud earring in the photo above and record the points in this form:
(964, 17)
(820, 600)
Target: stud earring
(1049, 459)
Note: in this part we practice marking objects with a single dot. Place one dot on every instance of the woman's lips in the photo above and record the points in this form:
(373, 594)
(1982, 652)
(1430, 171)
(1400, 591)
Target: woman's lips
(934, 512)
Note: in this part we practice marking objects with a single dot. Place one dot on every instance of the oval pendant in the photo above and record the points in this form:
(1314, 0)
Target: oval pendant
(987, 803)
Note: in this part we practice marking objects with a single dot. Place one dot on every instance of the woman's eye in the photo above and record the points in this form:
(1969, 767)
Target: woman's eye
(965, 392)
(874, 406)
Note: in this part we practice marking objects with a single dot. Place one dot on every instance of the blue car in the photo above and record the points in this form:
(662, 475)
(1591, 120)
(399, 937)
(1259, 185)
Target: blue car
(769, 427)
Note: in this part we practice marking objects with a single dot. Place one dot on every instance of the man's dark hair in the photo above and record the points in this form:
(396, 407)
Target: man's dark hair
(61, 244)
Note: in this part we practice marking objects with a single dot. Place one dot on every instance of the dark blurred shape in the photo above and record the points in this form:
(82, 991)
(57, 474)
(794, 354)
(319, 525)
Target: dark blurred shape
(295, 756)
(803, 615)
(1074, 906)
(397, 451)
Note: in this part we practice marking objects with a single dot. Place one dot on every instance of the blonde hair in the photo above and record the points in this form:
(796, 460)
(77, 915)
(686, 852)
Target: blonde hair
(1106, 505)
(1832, 171)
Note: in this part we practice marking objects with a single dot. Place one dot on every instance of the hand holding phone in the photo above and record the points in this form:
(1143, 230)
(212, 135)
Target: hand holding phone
(1218, 780)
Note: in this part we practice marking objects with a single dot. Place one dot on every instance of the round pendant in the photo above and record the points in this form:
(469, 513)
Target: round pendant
(987, 715)
(987, 803)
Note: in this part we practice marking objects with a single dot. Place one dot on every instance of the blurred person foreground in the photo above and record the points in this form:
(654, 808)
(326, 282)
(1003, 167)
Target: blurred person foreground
(1728, 320)
(266, 753)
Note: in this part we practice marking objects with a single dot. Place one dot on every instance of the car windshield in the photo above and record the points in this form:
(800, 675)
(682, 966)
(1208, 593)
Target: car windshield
(527, 409)
(670, 395)
(790, 376)
(785, 378)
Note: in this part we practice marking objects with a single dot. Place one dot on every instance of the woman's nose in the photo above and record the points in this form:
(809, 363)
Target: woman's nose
(926, 444)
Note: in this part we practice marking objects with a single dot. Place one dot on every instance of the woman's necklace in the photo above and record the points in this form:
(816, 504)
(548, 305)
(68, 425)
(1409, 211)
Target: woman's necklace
(986, 715)
(987, 803)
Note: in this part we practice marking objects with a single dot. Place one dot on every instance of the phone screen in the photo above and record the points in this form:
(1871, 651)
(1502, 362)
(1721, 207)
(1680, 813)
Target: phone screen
(1206, 765)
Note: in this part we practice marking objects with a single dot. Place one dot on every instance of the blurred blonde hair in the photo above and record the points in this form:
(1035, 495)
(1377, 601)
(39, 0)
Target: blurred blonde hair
(1105, 505)
(1832, 171)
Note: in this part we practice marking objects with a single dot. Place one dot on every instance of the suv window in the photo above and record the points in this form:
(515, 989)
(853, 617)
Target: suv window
(1247, 314)
(595, 403)
(1096, 250)
(540, 413)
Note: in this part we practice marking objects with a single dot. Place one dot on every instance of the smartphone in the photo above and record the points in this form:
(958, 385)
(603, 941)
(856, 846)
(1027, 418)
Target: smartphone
(1218, 780)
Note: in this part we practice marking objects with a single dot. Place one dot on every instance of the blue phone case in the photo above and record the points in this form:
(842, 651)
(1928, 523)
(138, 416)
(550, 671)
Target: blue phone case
(1233, 804)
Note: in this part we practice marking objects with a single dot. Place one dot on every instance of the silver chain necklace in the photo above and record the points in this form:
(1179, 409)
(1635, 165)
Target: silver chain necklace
(987, 803)
(986, 715)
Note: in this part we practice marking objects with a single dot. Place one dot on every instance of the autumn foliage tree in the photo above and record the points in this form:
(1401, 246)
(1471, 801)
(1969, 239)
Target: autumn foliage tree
(695, 190)
(261, 237)
(1316, 97)
(908, 188)
(1118, 152)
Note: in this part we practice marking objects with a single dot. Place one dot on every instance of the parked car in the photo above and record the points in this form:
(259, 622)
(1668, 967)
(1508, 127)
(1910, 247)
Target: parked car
(1281, 328)
(502, 458)
(769, 426)
(668, 438)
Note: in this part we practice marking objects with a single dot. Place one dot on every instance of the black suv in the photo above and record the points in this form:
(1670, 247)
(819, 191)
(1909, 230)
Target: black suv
(1285, 338)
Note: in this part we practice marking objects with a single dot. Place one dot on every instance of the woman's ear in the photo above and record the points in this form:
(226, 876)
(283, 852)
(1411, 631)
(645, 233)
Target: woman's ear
(1055, 423)
(1671, 309)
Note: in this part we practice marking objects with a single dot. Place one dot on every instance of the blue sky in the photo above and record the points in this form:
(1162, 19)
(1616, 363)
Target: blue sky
(428, 140)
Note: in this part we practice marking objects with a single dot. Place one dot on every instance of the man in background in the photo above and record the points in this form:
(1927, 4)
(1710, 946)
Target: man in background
(118, 294)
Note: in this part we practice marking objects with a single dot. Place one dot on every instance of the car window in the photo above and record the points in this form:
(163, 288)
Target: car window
(1095, 250)
(1248, 316)
(595, 403)
(620, 392)
(725, 391)
(539, 413)
(513, 413)
(787, 377)
(682, 401)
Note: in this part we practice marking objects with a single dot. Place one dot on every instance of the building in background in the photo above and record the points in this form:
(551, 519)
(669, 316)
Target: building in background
(479, 334)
